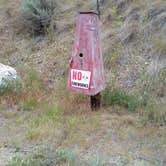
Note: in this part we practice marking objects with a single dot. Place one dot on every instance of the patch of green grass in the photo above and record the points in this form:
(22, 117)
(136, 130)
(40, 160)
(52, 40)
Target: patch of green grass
(29, 104)
(119, 97)
(45, 123)
(53, 113)
(33, 91)
(77, 127)
(45, 157)
(49, 157)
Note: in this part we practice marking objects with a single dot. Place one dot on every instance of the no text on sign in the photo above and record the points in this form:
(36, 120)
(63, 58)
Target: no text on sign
(80, 78)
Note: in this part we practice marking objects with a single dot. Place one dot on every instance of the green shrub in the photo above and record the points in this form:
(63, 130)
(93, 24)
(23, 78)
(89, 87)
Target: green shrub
(118, 97)
(37, 14)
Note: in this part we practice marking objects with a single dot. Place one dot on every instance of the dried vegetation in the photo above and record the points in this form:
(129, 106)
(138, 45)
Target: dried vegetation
(43, 111)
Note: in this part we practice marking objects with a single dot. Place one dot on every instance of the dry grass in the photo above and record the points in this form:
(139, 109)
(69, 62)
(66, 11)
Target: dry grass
(46, 113)
(160, 43)
(84, 132)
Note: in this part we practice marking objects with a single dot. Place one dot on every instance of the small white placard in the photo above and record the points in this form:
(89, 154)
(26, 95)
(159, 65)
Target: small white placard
(80, 78)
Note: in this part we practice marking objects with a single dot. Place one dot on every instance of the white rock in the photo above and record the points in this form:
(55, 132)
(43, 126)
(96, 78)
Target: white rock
(7, 73)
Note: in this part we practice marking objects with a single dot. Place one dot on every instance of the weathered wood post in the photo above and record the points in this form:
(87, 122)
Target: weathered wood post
(86, 75)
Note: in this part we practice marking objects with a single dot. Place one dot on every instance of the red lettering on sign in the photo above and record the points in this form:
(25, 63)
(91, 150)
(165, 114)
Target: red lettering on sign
(74, 75)
(79, 76)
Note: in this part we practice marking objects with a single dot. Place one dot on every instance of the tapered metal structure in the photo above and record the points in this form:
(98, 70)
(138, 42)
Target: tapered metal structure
(86, 75)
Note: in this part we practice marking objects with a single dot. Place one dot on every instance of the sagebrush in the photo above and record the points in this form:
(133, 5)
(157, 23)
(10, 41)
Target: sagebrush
(37, 14)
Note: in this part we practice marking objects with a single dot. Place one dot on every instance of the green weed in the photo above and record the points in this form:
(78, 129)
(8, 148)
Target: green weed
(119, 97)
(45, 123)
(29, 103)
(48, 156)
(33, 91)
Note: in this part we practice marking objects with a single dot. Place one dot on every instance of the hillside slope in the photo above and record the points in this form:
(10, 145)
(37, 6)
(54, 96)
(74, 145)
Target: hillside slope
(133, 40)
(42, 113)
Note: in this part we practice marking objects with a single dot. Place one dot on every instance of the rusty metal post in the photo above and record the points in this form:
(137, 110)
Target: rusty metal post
(98, 8)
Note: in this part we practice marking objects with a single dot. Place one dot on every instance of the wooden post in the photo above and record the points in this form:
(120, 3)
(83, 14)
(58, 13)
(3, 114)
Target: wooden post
(95, 101)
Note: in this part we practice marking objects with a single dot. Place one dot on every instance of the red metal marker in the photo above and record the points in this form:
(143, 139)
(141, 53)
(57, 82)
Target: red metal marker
(86, 74)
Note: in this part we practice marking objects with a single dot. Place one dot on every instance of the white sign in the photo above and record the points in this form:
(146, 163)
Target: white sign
(80, 78)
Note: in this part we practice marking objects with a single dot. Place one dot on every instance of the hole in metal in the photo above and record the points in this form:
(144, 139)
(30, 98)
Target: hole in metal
(81, 55)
